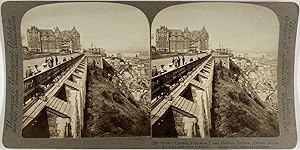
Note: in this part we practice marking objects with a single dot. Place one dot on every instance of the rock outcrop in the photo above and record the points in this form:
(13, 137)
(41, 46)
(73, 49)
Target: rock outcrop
(237, 110)
(110, 109)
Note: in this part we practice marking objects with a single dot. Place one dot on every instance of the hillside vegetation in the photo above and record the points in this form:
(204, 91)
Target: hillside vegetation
(237, 110)
(110, 109)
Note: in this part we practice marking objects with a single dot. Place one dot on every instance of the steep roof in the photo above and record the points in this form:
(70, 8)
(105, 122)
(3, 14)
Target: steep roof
(67, 34)
(176, 31)
(56, 29)
(74, 31)
(46, 32)
(203, 31)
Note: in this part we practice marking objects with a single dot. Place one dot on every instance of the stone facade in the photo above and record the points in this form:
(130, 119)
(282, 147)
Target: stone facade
(52, 41)
(181, 41)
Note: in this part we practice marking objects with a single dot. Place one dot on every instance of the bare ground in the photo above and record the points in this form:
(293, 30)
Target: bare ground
(237, 110)
(110, 112)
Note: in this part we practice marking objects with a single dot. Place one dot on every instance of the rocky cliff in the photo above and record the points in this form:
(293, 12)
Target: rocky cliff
(110, 109)
(237, 110)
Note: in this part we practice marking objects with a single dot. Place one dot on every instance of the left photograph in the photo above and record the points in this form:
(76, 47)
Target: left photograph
(86, 69)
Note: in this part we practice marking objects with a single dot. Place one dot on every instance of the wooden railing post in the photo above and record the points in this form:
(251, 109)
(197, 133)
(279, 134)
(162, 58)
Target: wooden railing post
(33, 83)
(172, 77)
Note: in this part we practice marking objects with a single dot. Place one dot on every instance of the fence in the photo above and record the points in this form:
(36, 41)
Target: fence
(33, 84)
(161, 82)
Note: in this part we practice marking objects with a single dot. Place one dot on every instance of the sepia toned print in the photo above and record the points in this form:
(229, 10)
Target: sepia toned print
(86, 69)
(214, 71)
(222, 74)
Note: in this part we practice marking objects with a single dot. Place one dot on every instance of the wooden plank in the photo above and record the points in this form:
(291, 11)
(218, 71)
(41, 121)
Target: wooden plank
(31, 109)
(185, 104)
(49, 102)
(67, 109)
(160, 113)
(154, 119)
(194, 83)
(76, 85)
(62, 109)
(203, 75)
(189, 107)
(61, 102)
(55, 89)
(49, 91)
(33, 115)
(35, 109)
(182, 87)
(26, 122)
(179, 102)
(173, 93)
(77, 74)
(81, 65)
(158, 107)
(72, 84)
(175, 101)
(56, 104)
(80, 70)
(176, 89)
(207, 66)
(56, 101)
(53, 102)
(198, 84)
(68, 82)
(182, 103)
(206, 70)
(41, 106)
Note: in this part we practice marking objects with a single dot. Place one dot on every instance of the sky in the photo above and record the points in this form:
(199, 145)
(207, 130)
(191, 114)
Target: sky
(241, 27)
(114, 27)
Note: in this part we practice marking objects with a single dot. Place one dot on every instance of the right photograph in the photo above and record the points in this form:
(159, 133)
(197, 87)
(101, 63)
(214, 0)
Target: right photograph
(214, 71)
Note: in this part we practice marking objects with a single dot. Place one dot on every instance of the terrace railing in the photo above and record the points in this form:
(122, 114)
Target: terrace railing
(161, 83)
(34, 85)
